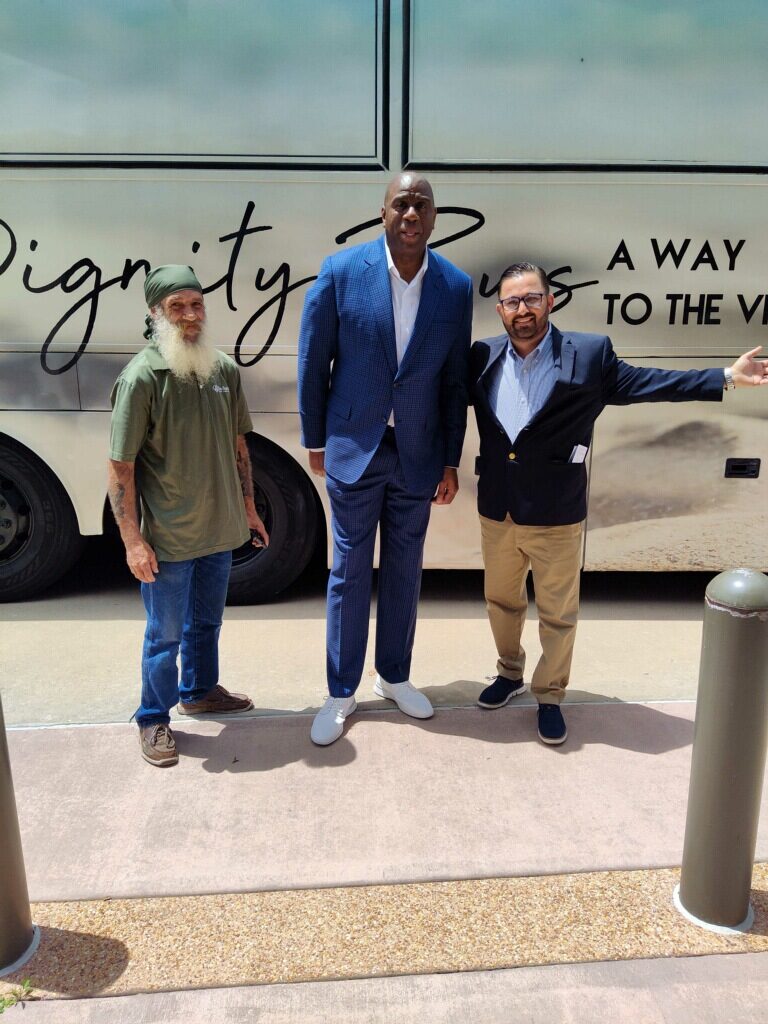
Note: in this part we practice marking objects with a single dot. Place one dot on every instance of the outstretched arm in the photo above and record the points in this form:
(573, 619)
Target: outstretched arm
(139, 555)
(624, 383)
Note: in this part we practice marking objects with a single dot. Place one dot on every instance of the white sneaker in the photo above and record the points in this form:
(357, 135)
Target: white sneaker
(406, 696)
(329, 720)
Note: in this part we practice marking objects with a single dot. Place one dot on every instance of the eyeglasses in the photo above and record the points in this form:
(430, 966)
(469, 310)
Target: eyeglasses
(532, 300)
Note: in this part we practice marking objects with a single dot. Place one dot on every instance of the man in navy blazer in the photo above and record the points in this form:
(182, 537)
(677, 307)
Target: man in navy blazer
(537, 392)
(383, 354)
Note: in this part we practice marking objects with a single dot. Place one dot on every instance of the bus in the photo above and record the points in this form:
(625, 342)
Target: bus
(617, 145)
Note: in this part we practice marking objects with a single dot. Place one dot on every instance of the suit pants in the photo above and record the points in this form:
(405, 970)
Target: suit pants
(553, 554)
(379, 499)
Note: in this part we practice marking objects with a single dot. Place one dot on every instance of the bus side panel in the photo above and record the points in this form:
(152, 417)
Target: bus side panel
(659, 498)
(24, 384)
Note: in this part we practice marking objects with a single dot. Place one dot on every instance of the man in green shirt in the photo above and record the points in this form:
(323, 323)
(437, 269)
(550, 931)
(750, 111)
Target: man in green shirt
(179, 420)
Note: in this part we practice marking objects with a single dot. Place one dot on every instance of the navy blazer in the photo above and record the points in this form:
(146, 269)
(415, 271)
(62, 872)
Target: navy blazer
(530, 476)
(349, 380)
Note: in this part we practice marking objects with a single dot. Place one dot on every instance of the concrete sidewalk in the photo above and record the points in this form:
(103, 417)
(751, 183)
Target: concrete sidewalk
(699, 990)
(468, 794)
(254, 808)
(310, 855)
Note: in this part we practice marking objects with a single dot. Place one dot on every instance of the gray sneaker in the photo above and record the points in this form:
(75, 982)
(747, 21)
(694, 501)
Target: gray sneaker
(328, 723)
(158, 745)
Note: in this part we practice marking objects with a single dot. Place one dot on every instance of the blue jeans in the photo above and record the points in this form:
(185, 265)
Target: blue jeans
(184, 607)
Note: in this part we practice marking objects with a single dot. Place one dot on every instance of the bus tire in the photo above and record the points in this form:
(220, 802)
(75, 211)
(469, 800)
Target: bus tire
(286, 502)
(39, 538)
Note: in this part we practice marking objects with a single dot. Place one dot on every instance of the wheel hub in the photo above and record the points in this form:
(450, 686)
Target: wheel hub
(14, 519)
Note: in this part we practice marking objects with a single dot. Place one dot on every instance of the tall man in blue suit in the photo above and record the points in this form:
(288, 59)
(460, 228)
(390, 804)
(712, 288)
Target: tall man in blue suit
(537, 392)
(383, 354)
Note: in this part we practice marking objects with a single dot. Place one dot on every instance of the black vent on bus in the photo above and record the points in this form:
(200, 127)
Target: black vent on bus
(744, 468)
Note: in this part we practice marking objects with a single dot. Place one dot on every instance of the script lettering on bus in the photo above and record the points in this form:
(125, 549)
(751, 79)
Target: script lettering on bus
(87, 281)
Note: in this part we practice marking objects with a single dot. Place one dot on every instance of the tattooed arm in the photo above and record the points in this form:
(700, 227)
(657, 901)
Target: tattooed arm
(259, 535)
(122, 497)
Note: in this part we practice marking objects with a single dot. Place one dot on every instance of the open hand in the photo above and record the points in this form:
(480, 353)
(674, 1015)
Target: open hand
(748, 371)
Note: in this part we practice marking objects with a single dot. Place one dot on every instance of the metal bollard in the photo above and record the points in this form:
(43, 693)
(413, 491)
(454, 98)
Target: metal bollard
(729, 753)
(18, 937)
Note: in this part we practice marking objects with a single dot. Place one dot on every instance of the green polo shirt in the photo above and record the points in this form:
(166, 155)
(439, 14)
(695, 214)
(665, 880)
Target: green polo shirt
(182, 438)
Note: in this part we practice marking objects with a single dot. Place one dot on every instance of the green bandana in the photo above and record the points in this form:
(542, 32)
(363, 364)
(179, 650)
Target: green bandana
(162, 281)
(166, 280)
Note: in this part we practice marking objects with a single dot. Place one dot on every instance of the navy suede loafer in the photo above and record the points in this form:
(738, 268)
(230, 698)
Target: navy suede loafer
(500, 692)
(551, 724)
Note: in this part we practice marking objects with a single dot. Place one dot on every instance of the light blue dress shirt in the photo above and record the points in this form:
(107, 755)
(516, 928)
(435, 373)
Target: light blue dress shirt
(519, 387)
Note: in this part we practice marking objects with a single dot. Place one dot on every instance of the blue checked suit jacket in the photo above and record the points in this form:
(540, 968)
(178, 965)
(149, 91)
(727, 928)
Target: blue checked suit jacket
(530, 476)
(349, 380)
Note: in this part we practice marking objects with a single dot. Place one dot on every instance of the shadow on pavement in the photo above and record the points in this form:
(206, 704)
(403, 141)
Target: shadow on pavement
(263, 744)
(74, 964)
(242, 747)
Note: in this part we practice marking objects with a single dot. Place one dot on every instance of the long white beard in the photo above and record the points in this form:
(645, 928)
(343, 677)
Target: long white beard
(188, 360)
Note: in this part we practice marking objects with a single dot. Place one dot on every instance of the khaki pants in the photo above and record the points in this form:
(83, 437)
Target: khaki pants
(553, 553)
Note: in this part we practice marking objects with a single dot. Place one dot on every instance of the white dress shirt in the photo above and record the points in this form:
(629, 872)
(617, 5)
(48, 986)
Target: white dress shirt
(406, 296)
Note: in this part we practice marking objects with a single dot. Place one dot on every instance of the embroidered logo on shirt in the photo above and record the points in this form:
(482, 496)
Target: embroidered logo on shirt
(221, 388)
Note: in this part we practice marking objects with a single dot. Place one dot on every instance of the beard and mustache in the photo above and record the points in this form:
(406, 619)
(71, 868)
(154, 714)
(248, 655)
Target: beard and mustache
(188, 361)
